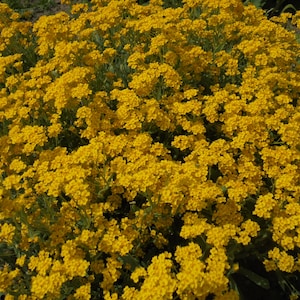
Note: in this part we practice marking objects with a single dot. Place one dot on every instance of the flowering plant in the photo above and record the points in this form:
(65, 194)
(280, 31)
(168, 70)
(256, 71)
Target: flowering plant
(148, 151)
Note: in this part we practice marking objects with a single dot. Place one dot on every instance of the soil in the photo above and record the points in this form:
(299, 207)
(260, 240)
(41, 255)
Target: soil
(35, 9)
(57, 7)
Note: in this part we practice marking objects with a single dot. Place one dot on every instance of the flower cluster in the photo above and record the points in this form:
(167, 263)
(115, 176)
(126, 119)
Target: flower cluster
(146, 150)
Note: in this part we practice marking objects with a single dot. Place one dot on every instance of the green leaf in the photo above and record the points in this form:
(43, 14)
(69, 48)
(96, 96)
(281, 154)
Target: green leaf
(257, 279)
(258, 3)
(130, 260)
(289, 6)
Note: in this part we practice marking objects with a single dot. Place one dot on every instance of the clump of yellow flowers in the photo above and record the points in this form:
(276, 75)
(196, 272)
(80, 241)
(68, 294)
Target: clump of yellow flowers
(148, 151)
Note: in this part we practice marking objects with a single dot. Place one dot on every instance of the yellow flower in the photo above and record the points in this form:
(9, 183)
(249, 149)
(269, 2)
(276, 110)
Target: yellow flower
(264, 206)
(227, 213)
(50, 286)
(17, 165)
(83, 292)
(247, 230)
(5, 62)
(159, 282)
(284, 261)
(21, 260)
(193, 226)
(285, 231)
(7, 277)
(138, 272)
(7, 233)
(12, 181)
(30, 136)
(111, 273)
(79, 8)
(217, 266)
(220, 236)
(125, 125)
(41, 263)
(192, 270)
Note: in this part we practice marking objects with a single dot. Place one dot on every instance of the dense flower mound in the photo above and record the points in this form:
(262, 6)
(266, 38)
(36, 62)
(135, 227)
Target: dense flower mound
(148, 151)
